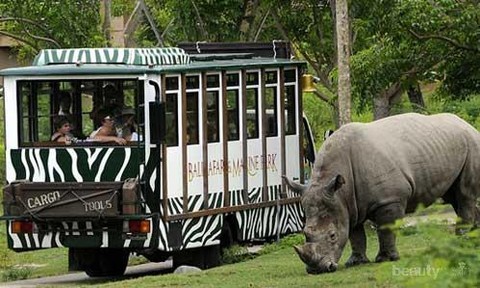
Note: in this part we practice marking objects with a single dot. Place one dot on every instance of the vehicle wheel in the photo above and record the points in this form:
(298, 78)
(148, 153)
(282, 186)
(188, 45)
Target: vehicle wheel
(211, 256)
(108, 262)
(203, 257)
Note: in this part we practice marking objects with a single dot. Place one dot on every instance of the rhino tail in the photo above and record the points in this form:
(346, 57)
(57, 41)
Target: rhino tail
(294, 186)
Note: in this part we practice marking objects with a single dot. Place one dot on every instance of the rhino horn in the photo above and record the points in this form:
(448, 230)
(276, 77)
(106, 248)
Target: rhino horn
(295, 187)
(300, 251)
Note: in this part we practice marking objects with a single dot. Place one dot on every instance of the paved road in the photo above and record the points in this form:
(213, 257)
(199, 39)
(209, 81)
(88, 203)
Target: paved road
(81, 278)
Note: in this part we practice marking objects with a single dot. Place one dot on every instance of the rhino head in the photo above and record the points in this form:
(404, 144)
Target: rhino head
(326, 226)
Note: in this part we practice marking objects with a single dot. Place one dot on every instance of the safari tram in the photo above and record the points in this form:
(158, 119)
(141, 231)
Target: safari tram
(216, 126)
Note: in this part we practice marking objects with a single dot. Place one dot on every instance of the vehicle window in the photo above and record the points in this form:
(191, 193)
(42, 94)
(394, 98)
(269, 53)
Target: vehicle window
(290, 104)
(252, 105)
(171, 108)
(271, 126)
(233, 109)
(45, 106)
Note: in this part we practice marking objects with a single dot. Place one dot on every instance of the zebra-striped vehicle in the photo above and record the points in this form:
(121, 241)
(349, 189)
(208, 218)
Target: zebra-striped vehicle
(214, 134)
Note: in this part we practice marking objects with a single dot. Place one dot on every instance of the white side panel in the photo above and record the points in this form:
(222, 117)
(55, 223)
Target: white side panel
(235, 166)
(291, 154)
(174, 172)
(273, 161)
(11, 110)
(254, 163)
(215, 167)
(194, 170)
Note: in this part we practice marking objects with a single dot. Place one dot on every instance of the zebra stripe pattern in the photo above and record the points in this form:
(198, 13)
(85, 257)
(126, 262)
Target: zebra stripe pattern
(127, 56)
(117, 164)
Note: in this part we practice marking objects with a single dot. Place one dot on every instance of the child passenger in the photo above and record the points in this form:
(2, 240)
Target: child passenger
(62, 130)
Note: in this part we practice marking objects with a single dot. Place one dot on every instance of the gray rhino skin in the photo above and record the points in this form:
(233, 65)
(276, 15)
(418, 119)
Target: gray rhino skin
(380, 171)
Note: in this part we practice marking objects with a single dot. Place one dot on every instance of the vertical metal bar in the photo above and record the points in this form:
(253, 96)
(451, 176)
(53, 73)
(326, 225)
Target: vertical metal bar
(163, 98)
(264, 125)
(283, 155)
(244, 135)
(300, 124)
(204, 137)
(225, 118)
(184, 141)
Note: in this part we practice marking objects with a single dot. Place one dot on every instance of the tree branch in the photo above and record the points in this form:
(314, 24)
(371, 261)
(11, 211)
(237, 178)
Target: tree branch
(443, 38)
(18, 38)
(29, 21)
(43, 39)
(260, 28)
(200, 21)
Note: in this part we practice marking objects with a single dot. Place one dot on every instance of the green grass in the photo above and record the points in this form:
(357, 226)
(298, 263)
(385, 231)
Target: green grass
(424, 249)
(32, 264)
(431, 256)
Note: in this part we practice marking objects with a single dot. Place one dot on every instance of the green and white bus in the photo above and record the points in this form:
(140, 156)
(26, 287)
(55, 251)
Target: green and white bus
(216, 131)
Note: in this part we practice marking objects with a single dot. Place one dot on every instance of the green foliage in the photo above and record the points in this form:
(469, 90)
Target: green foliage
(319, 115)
(51, 24)
(235, 254)
(285, 243)
(205, 20)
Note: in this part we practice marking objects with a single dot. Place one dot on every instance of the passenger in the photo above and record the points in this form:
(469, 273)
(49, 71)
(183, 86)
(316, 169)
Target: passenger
(108, 101)
(62, 130)
(128, 125)
(65, 104)
(107, 132)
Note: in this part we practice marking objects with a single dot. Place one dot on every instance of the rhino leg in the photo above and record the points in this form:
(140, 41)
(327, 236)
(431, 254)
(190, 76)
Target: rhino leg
(468, 214)
(388, 250)
(384, 216)
(465, 208)
(463, 197)
(358, 240)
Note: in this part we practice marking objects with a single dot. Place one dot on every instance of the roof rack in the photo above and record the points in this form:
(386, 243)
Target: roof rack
(274, 49)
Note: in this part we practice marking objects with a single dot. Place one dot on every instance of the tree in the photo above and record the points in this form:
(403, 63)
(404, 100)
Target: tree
(409, 42)
(343, 52)
(51, 24)
(212, 21)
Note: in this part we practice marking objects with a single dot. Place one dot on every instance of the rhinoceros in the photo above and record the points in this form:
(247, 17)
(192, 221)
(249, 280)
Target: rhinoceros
(380, 171)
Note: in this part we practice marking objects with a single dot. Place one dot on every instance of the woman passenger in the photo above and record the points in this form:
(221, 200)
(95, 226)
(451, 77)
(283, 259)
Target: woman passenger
(107, 132)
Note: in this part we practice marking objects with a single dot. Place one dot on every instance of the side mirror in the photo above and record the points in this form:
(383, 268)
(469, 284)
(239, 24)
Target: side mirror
(156, 116)
(157, 122)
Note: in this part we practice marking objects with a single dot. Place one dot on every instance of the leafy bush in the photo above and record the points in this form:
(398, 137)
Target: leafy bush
(452, 258)
(235, 254)
(286, 242)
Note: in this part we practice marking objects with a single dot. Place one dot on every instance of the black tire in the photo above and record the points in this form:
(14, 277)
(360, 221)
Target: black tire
(203, 257)
(107, 262)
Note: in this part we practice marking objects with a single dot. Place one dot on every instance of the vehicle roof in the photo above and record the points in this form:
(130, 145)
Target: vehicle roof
(128, 61)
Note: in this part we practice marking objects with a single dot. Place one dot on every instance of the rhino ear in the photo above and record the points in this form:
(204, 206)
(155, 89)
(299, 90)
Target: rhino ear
(333, 185)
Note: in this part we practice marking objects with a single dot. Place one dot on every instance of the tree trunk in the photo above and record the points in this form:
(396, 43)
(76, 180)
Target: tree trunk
(248, 16)
(416, 97)
(107, 20)
(343, 52)
(382, 103)
(381, 107)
